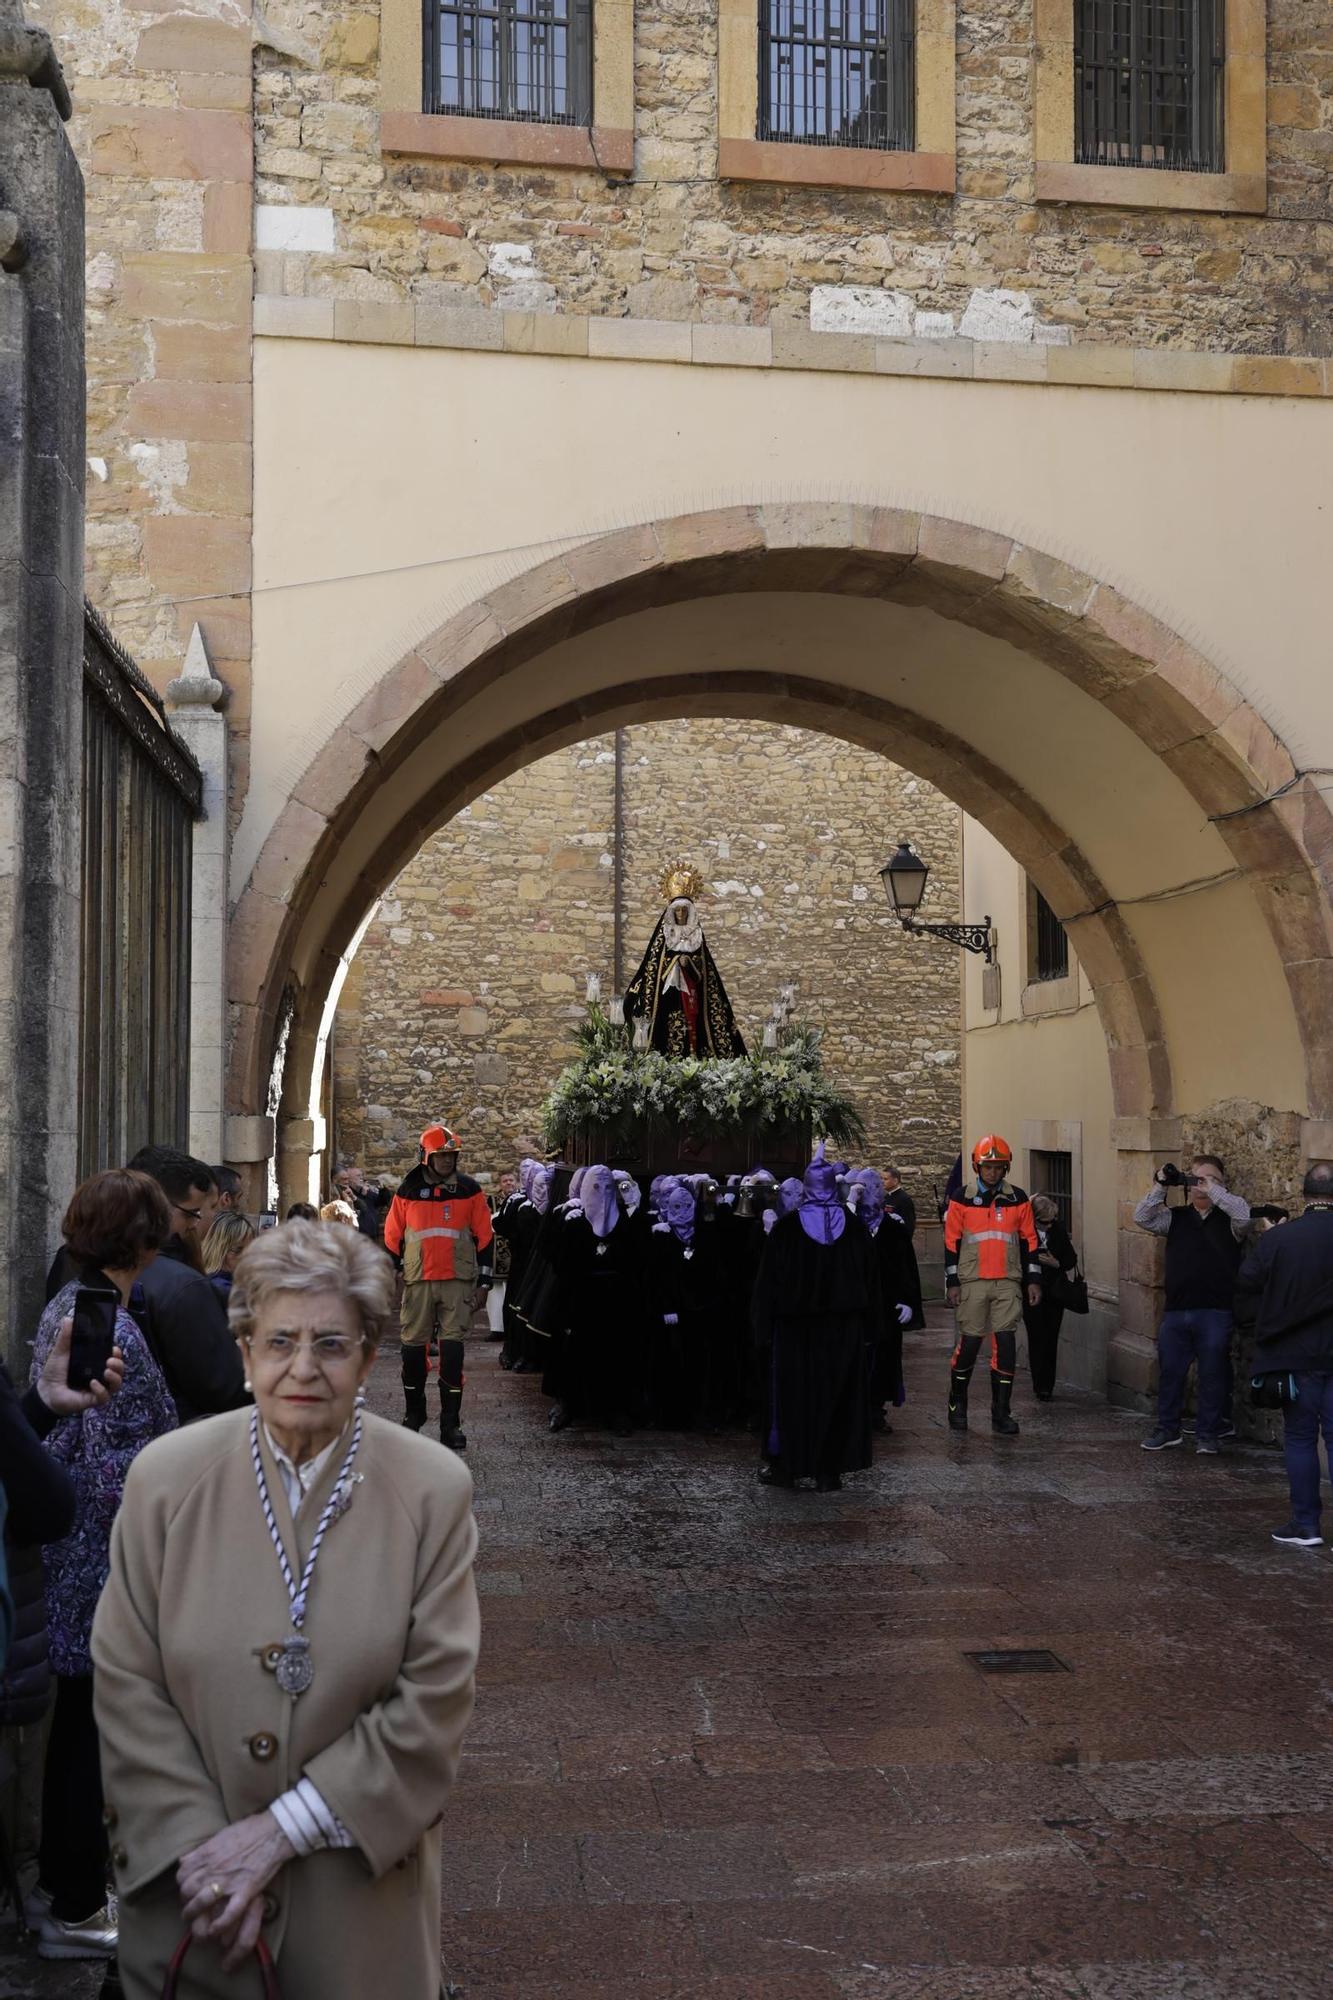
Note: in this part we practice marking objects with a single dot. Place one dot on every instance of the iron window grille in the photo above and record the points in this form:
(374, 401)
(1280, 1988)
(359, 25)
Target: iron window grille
(1149, 79)
(1053, 1174)
(527, 60)
(1051, 945)
(838, 73)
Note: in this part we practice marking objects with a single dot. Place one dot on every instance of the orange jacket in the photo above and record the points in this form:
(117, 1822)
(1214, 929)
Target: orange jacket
(991, 1234)
(440, 1230)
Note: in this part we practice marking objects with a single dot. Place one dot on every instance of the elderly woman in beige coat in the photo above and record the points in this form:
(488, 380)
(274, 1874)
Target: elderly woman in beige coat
(284, 1659)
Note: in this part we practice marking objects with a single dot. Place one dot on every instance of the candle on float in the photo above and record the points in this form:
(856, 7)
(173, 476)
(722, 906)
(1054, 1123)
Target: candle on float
(594, 992)
(770, 1034)
(617, 1011)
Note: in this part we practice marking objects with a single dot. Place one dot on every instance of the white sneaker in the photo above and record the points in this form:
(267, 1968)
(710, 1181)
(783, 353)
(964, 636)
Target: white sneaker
(92, 1937)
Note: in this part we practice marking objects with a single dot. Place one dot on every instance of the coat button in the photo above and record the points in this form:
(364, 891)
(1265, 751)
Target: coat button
(269, 1657)
(110, 1817)
(119, 1856)
(263, 1747)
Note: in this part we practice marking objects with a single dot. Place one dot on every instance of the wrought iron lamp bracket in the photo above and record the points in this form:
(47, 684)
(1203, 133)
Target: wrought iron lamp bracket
(970, 937)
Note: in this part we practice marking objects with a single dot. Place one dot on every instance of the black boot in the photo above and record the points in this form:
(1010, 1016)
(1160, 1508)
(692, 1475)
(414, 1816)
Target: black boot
(958, 1382)
(1001, 1390)
(414, 1387)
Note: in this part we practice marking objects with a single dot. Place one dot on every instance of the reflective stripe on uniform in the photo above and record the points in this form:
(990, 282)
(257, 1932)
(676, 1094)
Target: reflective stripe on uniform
(420, 1235)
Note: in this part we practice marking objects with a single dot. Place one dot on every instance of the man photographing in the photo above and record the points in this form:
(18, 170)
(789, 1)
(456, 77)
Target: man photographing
(1203, 1256)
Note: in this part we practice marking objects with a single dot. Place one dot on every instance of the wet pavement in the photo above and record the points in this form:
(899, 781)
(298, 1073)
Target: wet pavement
(729, 1744)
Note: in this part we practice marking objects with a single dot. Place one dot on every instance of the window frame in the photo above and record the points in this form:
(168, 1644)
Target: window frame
(606, 144)
(1241, 188)
(929, 168)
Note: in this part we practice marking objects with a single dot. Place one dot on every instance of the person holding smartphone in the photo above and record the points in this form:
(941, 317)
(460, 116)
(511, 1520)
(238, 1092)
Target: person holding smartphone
(114, 1228)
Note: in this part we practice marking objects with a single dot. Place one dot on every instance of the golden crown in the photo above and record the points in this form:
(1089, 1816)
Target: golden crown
(680, 879)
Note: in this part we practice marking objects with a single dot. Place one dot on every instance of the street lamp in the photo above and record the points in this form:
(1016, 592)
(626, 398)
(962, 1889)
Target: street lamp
(904, 877)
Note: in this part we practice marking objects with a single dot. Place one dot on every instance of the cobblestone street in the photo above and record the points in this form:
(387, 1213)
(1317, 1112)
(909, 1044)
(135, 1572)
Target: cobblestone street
(729, 1746)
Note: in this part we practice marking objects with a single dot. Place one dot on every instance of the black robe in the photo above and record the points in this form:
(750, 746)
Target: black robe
(899, 1284)
(662, 1008)
(902, 1253)
(691, 1370)
(597, 1370)
(517, 1224)
(817, 1315)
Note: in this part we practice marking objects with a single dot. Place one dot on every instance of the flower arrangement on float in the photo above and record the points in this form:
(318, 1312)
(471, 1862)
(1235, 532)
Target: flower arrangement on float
(621, 1088)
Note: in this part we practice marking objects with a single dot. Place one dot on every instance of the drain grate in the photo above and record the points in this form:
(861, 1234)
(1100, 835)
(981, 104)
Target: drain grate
(1019, 1660)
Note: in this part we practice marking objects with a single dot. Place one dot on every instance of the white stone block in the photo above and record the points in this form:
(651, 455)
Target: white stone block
(932, 326)
(998, 315)
(860, 309)
(293, 226)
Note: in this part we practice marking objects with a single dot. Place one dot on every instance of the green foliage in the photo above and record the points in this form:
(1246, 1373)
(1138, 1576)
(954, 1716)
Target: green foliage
(616, 1087)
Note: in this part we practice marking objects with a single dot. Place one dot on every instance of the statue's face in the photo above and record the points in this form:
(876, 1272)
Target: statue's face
(682, 911)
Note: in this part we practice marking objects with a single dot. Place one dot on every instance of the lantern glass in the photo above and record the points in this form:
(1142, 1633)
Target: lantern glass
(904, 878)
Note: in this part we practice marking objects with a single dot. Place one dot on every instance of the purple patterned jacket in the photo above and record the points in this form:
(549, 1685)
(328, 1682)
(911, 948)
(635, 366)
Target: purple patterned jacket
(97, 1450)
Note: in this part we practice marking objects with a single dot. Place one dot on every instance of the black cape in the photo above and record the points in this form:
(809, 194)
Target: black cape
(598, 1369)
(660, 1006)
(817, 1315)
(693, 1376)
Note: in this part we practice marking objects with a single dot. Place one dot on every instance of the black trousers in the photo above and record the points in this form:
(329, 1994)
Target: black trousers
(72, 1857)
(1043, 1331)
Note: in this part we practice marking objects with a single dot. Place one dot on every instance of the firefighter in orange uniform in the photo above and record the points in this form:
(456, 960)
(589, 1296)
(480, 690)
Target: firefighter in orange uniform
(438, 1231)
(991, 1251)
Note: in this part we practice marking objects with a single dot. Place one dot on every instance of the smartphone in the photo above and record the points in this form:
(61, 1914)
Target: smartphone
(94, 1335)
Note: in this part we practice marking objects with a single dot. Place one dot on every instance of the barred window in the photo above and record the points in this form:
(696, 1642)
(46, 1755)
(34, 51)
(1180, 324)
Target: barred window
(837, 73)
(522, 59)
(1053, 1174)
(1050, 956)
(1149, 78)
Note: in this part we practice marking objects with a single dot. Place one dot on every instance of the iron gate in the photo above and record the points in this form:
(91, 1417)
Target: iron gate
(142, 793)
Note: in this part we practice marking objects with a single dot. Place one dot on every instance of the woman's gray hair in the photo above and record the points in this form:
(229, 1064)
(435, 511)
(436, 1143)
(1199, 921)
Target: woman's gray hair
(1045, 1208)
(313, 1257)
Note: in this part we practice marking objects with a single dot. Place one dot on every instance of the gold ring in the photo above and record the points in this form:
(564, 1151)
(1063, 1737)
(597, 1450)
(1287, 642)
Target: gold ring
(219, 1894)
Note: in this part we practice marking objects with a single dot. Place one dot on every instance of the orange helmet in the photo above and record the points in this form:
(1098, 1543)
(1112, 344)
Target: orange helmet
(989, 1149)
(439, 1139)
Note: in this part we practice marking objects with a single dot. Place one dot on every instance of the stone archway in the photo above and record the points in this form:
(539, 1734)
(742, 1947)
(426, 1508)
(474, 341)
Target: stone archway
(470, 704)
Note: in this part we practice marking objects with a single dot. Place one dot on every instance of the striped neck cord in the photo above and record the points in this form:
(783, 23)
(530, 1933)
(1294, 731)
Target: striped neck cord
(298, 1593)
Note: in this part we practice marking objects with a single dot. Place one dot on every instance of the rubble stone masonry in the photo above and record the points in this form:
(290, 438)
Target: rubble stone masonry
(461, 1002)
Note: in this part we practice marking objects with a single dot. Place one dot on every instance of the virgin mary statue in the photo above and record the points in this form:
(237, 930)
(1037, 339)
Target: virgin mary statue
(678, 990)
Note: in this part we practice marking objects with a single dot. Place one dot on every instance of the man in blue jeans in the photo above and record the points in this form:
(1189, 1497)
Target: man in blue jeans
(1203, 1255)
(1289, 1277)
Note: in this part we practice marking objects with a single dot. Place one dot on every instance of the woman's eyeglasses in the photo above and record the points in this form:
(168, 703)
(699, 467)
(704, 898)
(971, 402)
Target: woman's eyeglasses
(327, 1350)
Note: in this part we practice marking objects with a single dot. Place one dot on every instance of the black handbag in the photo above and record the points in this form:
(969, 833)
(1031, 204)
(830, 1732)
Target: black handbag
(1272, 1392)
(1071, 1291)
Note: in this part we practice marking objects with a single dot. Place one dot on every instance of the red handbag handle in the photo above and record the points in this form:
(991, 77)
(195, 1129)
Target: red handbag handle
(262, 1953)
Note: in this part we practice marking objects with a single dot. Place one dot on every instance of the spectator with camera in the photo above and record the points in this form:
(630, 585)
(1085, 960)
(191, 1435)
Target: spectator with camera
(1203, 1256)
(1286, 1285)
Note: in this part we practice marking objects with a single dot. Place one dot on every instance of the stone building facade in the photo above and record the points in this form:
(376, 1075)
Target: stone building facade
(237, 151)
(462, 996)
(462, 441)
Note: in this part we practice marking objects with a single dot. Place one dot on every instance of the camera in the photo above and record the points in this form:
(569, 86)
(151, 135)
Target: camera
(1171, 1176)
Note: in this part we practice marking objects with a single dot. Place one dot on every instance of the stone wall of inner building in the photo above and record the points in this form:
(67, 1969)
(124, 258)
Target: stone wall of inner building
(676, 243)
(461, 1001)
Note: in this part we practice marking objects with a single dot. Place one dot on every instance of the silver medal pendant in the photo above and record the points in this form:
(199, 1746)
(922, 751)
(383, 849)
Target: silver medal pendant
(296, 1669)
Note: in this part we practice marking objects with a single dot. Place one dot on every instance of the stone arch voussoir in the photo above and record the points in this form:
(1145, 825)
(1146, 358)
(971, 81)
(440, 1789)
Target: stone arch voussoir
(1276, 823)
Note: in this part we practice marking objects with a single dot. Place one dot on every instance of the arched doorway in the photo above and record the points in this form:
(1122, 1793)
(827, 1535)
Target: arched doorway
(1161, 818)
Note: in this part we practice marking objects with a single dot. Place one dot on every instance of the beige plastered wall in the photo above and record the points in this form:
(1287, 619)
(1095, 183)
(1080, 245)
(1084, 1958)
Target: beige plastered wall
(385, 500)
